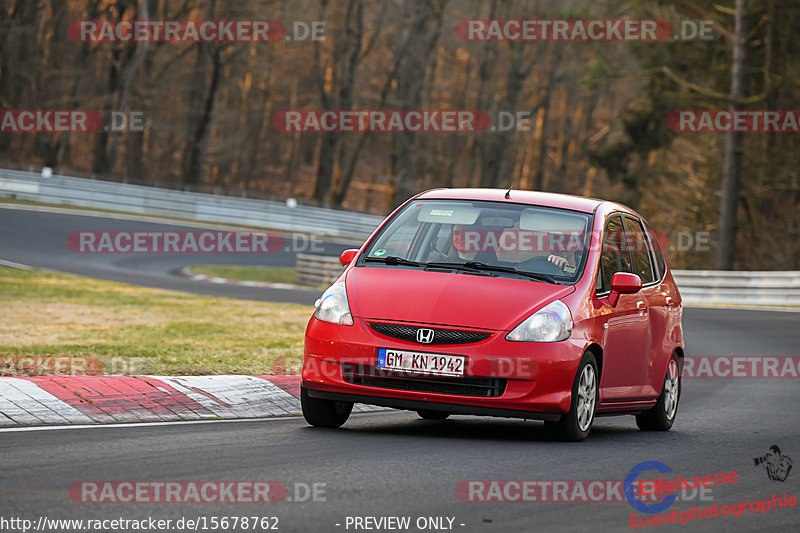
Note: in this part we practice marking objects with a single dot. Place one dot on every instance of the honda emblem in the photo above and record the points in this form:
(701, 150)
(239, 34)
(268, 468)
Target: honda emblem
(425, 335)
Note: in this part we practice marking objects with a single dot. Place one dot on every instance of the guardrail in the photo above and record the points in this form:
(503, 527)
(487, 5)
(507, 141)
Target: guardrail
(317, 270)
(139, 199)
(696, 286)
(732, 287)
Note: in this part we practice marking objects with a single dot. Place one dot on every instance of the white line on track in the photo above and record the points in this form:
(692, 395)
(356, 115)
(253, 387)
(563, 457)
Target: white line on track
(140, 424)
(15, 265)
(171, 423)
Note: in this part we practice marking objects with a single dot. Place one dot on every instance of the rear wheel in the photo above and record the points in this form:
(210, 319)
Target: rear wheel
(661, 417)
(324, 413)
(428, 414)
(575, 425)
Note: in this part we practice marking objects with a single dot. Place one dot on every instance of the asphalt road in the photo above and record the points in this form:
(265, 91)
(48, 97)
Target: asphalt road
(393, 464)
(39, 239)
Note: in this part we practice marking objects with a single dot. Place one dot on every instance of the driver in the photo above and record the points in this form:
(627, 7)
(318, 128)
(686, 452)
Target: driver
(461, 250)
(563, 260)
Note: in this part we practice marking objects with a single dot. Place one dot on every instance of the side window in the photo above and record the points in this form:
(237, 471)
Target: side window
(640, 250)
(614, 256)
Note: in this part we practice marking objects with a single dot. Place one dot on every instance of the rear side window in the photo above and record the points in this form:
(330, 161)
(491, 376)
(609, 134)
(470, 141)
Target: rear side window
(661, 265)
(640, 250)
(614, 256)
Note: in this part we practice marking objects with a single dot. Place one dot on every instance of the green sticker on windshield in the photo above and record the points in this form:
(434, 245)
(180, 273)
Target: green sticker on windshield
(570, 269)
(379, 252)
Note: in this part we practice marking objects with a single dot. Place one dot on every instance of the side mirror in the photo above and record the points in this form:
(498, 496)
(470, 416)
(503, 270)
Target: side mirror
(348, 255)
(623, 283)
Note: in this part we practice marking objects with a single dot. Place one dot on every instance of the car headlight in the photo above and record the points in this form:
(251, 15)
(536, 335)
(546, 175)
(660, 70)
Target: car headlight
(333, 306)
(551, 323)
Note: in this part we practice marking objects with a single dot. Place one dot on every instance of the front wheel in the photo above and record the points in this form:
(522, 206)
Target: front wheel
(324, 413)
(661, 417)
(575, 425)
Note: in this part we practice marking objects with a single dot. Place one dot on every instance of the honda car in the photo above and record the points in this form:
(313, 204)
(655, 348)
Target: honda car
(501, 303)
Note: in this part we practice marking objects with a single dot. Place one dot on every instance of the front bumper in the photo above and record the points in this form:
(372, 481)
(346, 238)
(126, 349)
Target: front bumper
(536, 378)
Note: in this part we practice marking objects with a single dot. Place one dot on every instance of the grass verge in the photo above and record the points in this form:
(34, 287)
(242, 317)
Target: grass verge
(247, 273)
(139, 330)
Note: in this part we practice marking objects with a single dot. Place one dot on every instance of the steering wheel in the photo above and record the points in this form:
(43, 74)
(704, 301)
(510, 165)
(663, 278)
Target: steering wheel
(540, 265)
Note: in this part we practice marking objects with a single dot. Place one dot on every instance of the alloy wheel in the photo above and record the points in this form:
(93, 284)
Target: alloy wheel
(587, 393)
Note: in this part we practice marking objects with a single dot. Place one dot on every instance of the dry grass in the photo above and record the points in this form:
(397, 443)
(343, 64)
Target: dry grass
(140, 330)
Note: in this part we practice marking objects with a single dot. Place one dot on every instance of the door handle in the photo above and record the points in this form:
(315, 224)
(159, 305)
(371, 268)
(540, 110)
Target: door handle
(668, 300)
(641, 306)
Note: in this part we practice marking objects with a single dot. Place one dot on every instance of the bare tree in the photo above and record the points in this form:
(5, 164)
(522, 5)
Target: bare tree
(425, 28)
(138, 58)
(729, 202)
(347, 56)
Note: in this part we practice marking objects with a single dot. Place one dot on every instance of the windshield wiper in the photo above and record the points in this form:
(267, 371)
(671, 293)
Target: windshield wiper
(393, 260)
(478, 266)
(511, 270)
(452, 266)
(473, 266)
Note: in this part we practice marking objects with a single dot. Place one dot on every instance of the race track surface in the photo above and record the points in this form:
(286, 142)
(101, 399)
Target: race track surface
(39, 239)
(394, 464)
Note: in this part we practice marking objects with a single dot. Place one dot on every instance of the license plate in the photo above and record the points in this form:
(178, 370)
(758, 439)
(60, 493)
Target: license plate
(423, 363)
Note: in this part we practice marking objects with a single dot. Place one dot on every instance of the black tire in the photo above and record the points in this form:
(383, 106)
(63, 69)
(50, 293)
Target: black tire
(662, 415)
(428, 414)
(574, 426)
(324, 413)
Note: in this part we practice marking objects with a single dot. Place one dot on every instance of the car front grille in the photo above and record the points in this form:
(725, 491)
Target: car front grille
(371, 376)
(440, 336)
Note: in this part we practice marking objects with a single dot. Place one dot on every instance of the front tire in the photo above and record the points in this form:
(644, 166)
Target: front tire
(324, 413)
(575, 425)
(661, 417)
(428, 414)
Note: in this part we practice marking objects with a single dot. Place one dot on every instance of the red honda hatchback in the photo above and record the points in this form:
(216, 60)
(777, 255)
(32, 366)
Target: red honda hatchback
(501, 303)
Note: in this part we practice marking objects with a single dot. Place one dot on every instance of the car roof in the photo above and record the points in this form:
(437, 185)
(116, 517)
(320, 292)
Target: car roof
(549, 199)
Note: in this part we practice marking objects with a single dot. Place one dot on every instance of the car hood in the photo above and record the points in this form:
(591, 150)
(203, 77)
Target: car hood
(446, 298)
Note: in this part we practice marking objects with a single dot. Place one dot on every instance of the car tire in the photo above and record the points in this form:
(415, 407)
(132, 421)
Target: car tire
(324, 413)
(428, 414)
(575, 425)
(661, 417)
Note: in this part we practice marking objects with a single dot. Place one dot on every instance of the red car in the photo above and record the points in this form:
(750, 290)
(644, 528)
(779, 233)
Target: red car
(501, 303)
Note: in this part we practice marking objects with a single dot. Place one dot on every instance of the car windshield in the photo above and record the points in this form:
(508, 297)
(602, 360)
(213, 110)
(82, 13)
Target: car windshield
(491, 238)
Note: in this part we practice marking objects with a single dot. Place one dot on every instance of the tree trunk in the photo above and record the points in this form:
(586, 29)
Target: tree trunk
(729, 202)
(197, 155)
(425, 28)
(138, 58)
(100, 157)
(544, 105)
(348, 54)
